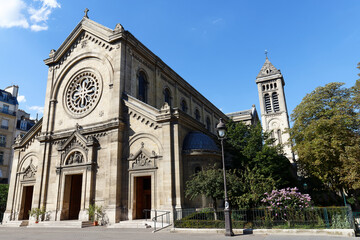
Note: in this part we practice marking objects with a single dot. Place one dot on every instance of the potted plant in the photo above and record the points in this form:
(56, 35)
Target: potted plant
(36, 213)
(95, 212)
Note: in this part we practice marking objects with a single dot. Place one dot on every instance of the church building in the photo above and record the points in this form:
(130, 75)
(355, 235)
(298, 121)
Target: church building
(274, 114)
(120, 129)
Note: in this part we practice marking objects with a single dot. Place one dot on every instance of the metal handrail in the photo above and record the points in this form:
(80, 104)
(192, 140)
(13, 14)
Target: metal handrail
(164, 214)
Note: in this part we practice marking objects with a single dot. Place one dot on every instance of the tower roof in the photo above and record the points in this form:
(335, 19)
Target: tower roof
(268, 69)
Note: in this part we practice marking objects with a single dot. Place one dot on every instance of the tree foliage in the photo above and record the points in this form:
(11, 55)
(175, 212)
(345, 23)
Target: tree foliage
(326, 135)
(253, 150)
(4, 188)
(210, 183)
(258, 167)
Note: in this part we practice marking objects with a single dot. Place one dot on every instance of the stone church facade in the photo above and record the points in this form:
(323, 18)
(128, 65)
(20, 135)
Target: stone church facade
(120, 129)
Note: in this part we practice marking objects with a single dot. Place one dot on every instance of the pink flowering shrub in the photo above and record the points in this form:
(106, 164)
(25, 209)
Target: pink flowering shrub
(287, 199)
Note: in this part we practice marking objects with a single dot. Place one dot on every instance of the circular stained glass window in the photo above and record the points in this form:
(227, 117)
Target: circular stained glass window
(83, 93)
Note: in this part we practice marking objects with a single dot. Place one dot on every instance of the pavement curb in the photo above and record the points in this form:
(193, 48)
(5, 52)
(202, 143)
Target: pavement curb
(320, 232)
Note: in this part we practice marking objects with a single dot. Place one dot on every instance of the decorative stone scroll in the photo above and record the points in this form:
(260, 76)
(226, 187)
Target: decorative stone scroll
(75, 158)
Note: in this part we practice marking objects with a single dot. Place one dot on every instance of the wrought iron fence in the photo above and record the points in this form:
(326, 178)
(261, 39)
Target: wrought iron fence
(319, 217)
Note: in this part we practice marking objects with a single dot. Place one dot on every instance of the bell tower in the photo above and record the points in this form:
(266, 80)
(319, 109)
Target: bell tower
(274, 114)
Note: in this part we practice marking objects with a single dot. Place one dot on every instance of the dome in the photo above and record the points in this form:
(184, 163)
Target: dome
(199, 141)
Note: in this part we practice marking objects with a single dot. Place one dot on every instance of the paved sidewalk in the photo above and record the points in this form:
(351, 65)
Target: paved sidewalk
(96, 233)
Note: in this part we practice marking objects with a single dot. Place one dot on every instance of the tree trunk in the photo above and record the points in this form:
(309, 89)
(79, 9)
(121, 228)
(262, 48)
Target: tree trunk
(215, 208)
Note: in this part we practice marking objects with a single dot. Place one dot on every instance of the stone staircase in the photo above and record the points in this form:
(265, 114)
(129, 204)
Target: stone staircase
(22, 223)
(61, 224)
(141, 223)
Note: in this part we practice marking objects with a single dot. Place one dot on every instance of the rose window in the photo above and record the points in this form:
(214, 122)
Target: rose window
(83, 93)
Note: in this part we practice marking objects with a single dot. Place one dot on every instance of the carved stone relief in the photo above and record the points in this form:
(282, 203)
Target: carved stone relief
(75, 158)
(142, 161)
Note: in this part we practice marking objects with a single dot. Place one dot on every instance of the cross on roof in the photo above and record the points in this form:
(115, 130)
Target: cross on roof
(266, 52)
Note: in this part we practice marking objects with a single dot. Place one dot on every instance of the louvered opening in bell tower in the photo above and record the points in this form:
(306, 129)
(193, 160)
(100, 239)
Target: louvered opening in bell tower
(275, 100)
(267, 103)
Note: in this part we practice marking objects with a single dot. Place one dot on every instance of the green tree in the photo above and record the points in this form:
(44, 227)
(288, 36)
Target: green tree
(326, 136)
(4, 188)
(253, 150)
(209, 183)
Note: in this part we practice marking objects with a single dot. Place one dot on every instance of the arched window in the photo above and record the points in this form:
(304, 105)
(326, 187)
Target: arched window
(275, 101)
(275, 86)
(208, 124)
(197, 169)
(167, 96)
(184, 107)
(263, 87)
(143, 85)
(197, 114)
(267, 103)
(279, 136)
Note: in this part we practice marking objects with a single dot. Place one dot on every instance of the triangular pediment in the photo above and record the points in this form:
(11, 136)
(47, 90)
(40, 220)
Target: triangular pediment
(29, 172)
(29, 137)
(86, 25)
(76, 137)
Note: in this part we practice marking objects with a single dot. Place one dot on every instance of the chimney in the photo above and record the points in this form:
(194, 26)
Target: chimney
(14, 90)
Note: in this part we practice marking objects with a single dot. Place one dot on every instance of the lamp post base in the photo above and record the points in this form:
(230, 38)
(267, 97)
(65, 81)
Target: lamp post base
(228, 225)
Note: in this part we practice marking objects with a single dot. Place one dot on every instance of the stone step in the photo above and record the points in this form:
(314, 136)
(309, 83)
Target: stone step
(132, 224)
(24, 223)
(61, 224)
(12, 224)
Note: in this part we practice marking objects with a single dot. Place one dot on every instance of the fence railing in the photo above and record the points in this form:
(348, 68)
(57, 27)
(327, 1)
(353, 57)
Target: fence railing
(319, 217)
(161, 218)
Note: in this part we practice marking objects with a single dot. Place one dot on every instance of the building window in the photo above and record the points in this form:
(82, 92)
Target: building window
(1, 158)
(5, 124)
(275, 101)
(208, 124)
(1, 175)
(267, 103)
(23, 125)
(2, 141)
(279, 136)
(143, 87)
(184, 107)
(197, 169)
(197, 114)
(5, 109)
(167, 96)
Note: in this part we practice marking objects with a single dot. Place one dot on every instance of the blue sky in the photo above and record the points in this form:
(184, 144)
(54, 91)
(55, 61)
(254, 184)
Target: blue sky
(217, 46)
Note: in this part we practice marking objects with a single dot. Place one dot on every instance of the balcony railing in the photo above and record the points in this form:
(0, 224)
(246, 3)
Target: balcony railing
(7, 111)
(4, 127)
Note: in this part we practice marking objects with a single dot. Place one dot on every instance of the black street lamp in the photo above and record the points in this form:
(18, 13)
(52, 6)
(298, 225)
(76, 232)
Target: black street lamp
(221, 130)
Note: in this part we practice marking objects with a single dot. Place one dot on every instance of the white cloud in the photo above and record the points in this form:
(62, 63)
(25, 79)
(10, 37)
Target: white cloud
(34, 15)
(21, 99)
(217, 20)
(11, 14)
(38, 109)
(37, 28)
